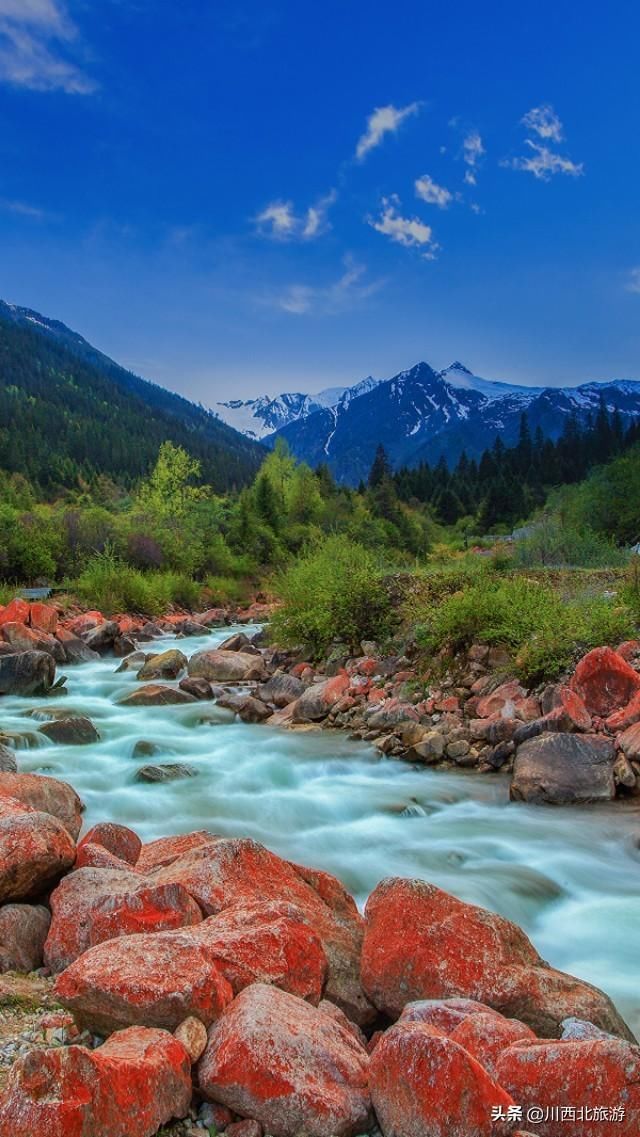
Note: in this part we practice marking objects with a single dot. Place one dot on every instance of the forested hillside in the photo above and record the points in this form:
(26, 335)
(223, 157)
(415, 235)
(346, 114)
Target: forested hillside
(69, 414)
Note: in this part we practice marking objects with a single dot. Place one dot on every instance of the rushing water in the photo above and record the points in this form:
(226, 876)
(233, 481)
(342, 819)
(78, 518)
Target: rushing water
(568, 876)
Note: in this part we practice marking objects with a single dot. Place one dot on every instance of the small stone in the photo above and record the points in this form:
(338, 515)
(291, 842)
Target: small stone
(192, 1033)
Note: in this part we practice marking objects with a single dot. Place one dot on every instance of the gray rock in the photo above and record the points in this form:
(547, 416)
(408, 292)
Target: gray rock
(227, 666)
(171, 772)
(26, 673)
(246, 707)
(23, 931)
(281, 689)
(564, 769)
(72, 730)
(167, 665)
(8, 764)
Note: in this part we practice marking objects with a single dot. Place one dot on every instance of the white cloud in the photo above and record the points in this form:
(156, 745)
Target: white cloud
(279, 220)
(472, 150)
(544, 163)
(348, 291)
(407, 231)
(633, 282)
(544, 122)
(36, 37)
(383, 120)
(432, 193)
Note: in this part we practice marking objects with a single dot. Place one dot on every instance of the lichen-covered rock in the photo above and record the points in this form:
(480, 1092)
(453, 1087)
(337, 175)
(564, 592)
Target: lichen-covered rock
(35, 850)
(605, 681)
(595, 1076)
(92, 905)
(144, 980)
(273, 1058)
(49, 795)
(452, 949)
(425, 1085)
(167, 665)
(156, 695)
(232, 872)
(116, 839)
(139, 1080)
(23, 931)
(226, 666)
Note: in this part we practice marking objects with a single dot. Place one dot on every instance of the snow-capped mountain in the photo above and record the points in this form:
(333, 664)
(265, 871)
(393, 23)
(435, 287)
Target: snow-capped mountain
(265, 415)
(423, 415)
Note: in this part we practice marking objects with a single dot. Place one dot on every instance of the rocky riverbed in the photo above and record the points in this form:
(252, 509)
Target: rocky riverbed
(281, 946)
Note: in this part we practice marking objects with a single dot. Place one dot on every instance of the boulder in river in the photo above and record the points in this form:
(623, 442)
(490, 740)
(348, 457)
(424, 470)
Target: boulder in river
(70, 730)
(452, 949)
(169, 772)
(226, 666)
(8, 763)
(167, 665)
(76, 651)
(281, 689)
(156, 695)
(246, 707)
(27, 673)
(564, 769)
(605, 681)
(132, 1085)
(316, 1080)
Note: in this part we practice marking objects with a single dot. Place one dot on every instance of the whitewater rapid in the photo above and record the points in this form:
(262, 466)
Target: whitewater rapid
(568, 876)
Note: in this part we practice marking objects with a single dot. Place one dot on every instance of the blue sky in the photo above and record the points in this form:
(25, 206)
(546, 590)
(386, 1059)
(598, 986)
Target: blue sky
(234, 198)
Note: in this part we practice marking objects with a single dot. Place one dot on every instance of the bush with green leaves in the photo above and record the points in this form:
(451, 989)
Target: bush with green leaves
(334, 591)
(544, 630)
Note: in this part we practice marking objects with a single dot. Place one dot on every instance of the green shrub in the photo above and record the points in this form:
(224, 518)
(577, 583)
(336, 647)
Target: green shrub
(332, 592)
(544, 630)
(226, 590)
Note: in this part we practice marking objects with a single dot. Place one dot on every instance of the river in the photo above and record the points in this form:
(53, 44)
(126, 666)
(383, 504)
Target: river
(570, 877)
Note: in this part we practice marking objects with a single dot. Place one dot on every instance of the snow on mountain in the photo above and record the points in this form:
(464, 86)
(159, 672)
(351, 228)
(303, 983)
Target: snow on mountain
(258, 418)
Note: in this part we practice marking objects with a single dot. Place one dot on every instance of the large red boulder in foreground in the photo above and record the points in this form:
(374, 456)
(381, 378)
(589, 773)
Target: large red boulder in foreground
(139, 1080)
(267, 943)
(165, 850)
(17, 610)
(598, 1080)
(35, 850)
(49, 795)
(147, 980)
(486, 1036)
(93, 905)
(44, 617)
(234, 872)
(451, 949)
(605, 681)
(425, 1085)
(273, 1058)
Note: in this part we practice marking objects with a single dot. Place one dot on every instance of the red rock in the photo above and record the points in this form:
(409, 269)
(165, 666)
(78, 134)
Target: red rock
(626, 717)
(366, 666)
(450, 704)
(146, 980)
(629, 742)
(330, 1009)
(240, 871)
(273, 1058)
(376, 695)
(23, 638)
(443, 1014)
(15, 612)
(11, 807)
(23, 931)
(590, 1074)
(80, 625)
(214, 617)
(502, 701)
(300, 669)
(156, 695)
(450, 949)
(35, 849)
(48, 795)
(267, 943)
(605, 681)
(165, 850)
(93, 905)
(629, 650)
(139, 1080)
(425, 1085)
(44, 617)
(316, 702)
(116, 839)
(573, 709)
(486, 1036)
